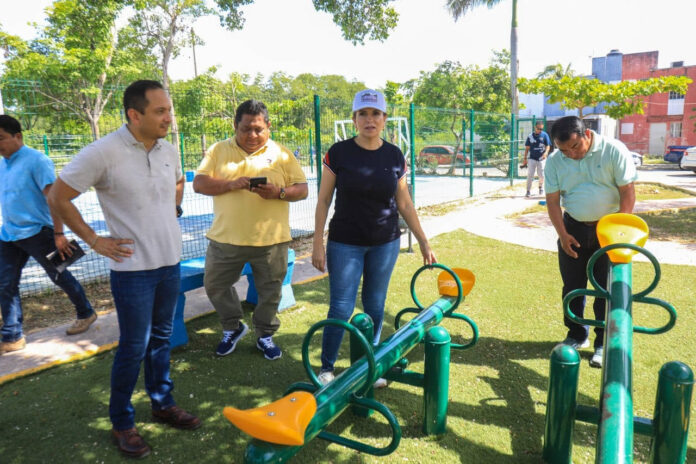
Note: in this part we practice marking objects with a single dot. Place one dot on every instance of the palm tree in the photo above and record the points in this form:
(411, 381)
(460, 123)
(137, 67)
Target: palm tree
(556, 71)
(459, 8)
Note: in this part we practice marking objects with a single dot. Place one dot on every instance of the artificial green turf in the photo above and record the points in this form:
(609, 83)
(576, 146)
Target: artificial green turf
(497, 388)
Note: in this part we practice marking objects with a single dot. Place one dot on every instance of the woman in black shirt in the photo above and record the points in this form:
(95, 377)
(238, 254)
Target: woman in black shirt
(369, 177)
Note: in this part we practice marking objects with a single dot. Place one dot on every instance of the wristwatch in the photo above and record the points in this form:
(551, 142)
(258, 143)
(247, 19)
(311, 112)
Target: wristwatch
(179, 211)
(282, 194)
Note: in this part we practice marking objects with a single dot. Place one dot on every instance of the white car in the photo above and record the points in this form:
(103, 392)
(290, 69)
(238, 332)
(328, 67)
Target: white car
(637, 158)
(688, 161)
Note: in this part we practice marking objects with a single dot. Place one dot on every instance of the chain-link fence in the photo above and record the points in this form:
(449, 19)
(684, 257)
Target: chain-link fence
(452, 154)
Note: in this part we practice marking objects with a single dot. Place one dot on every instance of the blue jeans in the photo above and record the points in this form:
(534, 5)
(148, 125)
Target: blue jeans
(346, 264)
(145, 303)
(13, 258)
(574, 275)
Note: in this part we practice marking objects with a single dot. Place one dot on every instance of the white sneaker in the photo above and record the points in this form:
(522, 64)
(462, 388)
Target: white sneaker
(326, 377)
(380, 383)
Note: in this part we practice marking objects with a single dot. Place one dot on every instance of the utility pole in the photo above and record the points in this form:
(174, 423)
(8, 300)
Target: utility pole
(195, 74)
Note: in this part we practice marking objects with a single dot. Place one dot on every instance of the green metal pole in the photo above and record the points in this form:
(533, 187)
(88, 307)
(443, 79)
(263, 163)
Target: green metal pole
(364, 324)
(436, 380)
(412, 130)
(311, 159)
(181, 149)
(317, 137)
(45, 141)
(464, 147)
(672, 413)
(561, 404)
(615, 434)
(471, 149)
(513, 146)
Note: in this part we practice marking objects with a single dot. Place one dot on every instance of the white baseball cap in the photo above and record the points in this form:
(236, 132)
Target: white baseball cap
(369, 98)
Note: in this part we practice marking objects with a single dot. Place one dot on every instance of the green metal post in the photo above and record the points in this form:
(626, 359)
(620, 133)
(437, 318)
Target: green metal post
(412, 130)
(513, 146)
(45, 141)
(561, 404)
(436, 380)
(471, 149)
(317, 137)
(672, 413)
(464, 147)
(311, 159)
(615, 434)
(364, 324)
(181, 149)
(533, 122)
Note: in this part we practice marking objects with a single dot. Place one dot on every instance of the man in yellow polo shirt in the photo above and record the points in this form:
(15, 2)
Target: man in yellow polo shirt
(251, 223)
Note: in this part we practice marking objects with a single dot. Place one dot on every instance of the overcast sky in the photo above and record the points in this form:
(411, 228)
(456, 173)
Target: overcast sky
(290, 36)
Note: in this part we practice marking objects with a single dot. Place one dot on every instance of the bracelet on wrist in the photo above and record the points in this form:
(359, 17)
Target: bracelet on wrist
(94, 242)
(58, 233)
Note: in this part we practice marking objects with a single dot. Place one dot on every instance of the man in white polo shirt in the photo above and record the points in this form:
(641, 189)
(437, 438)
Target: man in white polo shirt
(592, 176)
(138, 179)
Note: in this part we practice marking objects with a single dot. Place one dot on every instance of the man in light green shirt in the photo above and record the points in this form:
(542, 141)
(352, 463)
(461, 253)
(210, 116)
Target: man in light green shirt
(589, 176)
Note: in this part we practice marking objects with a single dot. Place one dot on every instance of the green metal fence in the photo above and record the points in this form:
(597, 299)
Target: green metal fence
(483, 147)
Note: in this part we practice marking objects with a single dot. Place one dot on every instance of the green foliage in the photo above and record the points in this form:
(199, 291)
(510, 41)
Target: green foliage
(622, 98)
(360, 19)
(76, 63)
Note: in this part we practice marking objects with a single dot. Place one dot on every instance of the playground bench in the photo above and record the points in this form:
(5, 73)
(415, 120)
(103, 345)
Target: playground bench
(192, 271)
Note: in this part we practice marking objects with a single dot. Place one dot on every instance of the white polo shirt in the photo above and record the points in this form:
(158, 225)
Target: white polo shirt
(137, 193)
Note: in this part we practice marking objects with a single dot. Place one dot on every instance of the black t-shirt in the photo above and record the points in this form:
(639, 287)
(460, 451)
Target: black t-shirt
(365, 211)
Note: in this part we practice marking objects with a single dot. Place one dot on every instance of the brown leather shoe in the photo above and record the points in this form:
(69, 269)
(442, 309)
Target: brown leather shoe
(19, 344)
(130, 443)
(81, 325)
(177, 417)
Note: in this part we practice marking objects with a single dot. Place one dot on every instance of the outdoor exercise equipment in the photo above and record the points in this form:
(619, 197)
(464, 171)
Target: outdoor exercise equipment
(621, 237)
(281, 428)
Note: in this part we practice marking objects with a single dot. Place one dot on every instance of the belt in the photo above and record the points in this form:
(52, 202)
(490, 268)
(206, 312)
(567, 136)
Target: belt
(586, 223)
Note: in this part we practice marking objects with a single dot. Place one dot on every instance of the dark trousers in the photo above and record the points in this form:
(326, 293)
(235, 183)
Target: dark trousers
(145, 302)
(13, 258)
(574, 275)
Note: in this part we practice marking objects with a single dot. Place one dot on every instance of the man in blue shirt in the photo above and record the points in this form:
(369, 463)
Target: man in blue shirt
(537, 148)
(589, 176)
(29, 229)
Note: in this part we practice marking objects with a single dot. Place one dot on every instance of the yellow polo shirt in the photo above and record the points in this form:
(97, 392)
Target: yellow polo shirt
(241, 217)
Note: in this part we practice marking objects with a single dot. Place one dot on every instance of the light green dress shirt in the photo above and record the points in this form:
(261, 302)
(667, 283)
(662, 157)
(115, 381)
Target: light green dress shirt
(589, 186)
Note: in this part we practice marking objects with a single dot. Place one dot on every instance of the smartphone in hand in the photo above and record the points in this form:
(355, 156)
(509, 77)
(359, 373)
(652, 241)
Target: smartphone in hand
(256, 181)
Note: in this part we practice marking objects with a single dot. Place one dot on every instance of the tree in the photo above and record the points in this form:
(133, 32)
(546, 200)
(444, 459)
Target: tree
(461, 89)
(556, 71)
(622, 98)
(78, 61)
(459, 8)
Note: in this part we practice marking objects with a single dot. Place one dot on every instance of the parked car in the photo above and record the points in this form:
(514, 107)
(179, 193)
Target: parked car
(444, 154)
(637, 158)
(674, 153)
(688, 161)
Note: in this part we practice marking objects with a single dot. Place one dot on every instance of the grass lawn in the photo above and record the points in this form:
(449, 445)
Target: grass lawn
(497, 388)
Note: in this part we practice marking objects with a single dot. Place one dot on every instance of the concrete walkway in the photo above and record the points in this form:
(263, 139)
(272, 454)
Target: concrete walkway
(483, 216)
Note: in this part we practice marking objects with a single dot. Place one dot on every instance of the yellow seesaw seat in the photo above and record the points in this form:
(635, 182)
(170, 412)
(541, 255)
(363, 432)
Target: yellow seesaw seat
(621, 228)
(283, 422)
(448, 287)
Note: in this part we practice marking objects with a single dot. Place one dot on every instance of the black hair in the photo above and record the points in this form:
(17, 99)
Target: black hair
(253, 108)
(10, 125)
(565, 127)
(134, 96)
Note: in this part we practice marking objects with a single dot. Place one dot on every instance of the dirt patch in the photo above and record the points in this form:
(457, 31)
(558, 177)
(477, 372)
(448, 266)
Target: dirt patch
(53, 308)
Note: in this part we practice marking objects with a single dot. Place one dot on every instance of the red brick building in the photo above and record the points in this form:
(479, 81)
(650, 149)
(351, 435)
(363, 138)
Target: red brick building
(669, 119)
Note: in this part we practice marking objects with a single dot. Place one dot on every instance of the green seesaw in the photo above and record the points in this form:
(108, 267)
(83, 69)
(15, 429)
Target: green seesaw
(621, 237)
(281, 428)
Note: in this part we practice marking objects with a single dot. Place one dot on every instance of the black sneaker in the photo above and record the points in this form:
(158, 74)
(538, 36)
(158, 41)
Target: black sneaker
(270, 349)
(230, 339)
